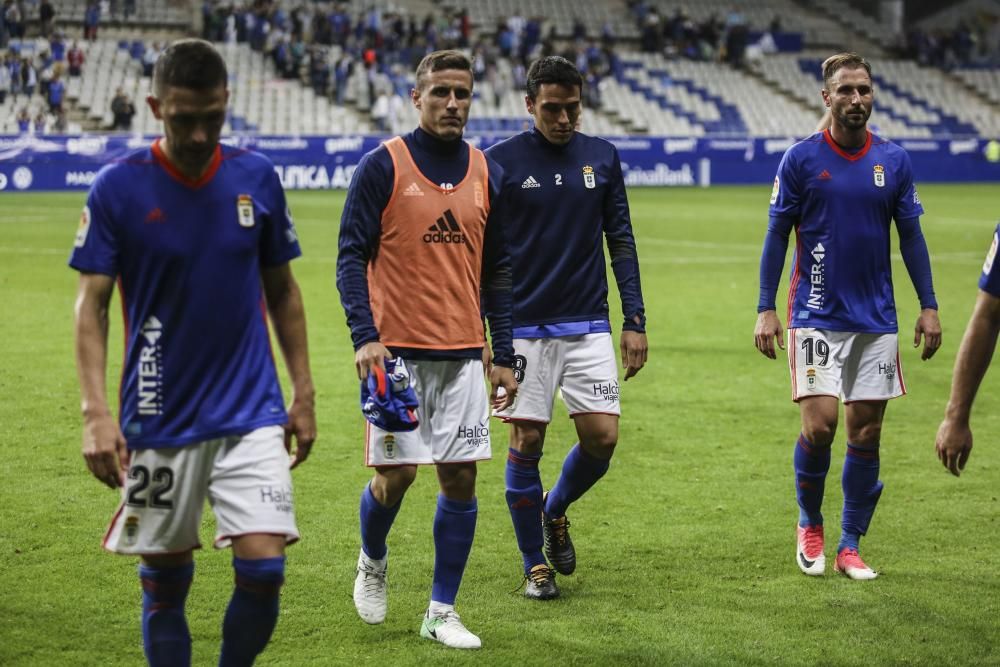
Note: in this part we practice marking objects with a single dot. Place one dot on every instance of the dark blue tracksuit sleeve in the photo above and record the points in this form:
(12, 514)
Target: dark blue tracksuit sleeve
(497, 293)
(621, 247)
(360, 230)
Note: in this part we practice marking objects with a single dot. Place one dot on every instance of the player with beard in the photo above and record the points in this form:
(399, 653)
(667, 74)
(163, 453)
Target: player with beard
(840, 189)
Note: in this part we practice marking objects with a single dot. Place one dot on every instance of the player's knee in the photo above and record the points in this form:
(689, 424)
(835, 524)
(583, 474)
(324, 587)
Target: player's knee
(527, 440)
(820, 434)
(601, 444)
(458, 480)
(867, 436)
(390, 484)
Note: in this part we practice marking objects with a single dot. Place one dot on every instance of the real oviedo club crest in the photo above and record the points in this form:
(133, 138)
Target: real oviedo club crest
(879, 172)
(244, 210)
(588, 177)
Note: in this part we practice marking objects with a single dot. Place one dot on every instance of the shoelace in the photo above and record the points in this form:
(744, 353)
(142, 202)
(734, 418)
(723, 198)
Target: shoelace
(374, 580)
(537, 577)
(560, 530)
(813, 542)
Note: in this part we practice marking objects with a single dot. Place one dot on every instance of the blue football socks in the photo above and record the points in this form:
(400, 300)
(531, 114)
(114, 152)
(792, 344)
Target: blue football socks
(811, 465)
(253, 610)
(376, 521)
(580, 471)
(454, 528)
(165, 635)
(862, 490)
(524, 499)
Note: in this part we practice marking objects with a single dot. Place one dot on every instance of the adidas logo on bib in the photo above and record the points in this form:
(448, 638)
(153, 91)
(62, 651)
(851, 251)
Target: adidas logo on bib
(530, 182)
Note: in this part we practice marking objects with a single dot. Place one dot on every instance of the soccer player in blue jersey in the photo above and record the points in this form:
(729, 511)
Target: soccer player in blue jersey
(419, 240)
(567, 195)
(198, 238)
(954, 436)
(840, 190)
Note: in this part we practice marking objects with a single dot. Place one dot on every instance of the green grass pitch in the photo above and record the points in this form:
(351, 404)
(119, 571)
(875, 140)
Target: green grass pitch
(685, 548)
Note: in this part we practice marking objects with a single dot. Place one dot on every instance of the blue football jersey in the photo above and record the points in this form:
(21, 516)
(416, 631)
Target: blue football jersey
(989, 281)
(842, 205)
(187, 257)
(561, 203)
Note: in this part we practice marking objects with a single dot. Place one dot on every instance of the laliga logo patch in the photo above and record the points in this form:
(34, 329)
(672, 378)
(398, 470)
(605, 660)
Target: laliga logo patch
(879, 173)
(81, 231)
(390, 446)
(811, 378)
(244, 210)
(588, 177)
(775, 190)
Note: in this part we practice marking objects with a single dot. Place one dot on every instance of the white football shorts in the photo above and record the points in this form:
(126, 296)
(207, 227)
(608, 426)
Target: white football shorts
(454, 418)
(583, 367)
(850, 366)
(245, 478)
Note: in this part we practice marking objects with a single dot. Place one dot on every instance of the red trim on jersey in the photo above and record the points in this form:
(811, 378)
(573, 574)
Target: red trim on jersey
(125, 327)
(592, 412)
(175, 173)
(844, 154)
(793, 288)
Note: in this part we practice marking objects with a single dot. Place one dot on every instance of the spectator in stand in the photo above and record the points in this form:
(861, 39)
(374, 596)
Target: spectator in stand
(149, 58)
(122, 110)
(4, 34)
(13, 65)
(57, 91)
(29, 77)
(23, 120)
(91, 20)
(14, 19)
(46, 14)
(41, 120)
(129, 9)
(57, 46)
(75, 59)
(4, 81)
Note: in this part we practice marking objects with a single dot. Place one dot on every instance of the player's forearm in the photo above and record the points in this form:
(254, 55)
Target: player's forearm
(288, 315)
(974, 355)
(91, 343)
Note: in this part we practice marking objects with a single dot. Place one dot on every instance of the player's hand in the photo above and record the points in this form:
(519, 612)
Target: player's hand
(369, 357)
(302, 426)
(635, 350)
(502, 377)
(105, 450)
(929, 326)
(953, 445)
(767, 332)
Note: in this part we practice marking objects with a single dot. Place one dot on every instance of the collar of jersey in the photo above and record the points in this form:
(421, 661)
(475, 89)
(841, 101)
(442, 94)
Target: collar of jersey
(844, 154)
(175, 173)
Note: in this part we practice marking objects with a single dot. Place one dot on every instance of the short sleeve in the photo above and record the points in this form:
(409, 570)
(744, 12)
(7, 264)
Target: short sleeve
(96, 245)
(279, 242)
